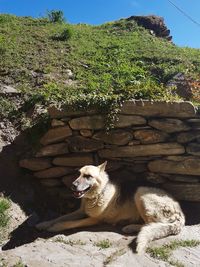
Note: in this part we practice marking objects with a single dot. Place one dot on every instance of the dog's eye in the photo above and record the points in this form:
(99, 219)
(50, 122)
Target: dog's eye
(87, 176)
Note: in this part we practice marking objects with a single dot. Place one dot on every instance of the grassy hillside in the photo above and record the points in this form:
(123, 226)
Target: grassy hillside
(117, 60)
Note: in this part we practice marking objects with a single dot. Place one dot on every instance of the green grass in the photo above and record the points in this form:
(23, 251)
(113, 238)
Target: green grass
(114, 256)
(105, 243)
(70, 242)
(4, 217)
(164, 252)
(110, 63)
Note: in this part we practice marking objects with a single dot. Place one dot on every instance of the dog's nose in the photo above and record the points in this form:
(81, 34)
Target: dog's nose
(73, 187)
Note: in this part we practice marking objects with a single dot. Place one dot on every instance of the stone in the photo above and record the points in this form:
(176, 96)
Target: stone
(53, 172)
(50, 182)
(137, 167)
(56, 135)
(194, 123)
(68, 112)
(114, 137)
(82, 144)
(190, 166)
(68, 179)
(57, 123)
(88, 122)
(53, 150)
(155, 178)
(169, 125)
(182, 178)
(127, 121)
(134, 142)
(183, 191)
(34, 164)
(150, 136)
(142, 150)
(86, 133)
(193, 149)
(7, 89)
(74, 160)
(159, 109)
(188, 136)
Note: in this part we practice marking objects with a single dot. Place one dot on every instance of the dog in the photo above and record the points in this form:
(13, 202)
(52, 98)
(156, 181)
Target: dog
(150, 211)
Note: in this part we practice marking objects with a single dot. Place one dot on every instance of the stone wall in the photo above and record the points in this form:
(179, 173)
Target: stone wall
(154, 141)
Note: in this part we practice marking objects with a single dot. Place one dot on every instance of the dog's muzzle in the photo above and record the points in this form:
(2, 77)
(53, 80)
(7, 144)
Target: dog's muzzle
(78, 193)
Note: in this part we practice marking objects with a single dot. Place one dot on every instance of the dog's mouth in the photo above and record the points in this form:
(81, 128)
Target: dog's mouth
(79, 194)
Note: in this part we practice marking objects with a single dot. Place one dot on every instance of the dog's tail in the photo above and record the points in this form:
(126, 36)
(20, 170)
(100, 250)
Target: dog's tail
(157, 230)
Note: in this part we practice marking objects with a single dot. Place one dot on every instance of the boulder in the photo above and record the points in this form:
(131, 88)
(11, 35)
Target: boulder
(74, 160)
(169, 125)
(115, 137)
(159, 108)
(183, 191)
(68, 179)
(82, 144)
(86, 133)
(57, 123)
(53, 172)
(34, 164)
(188, 166)
(53, 150)
(65, 111)
(88, 122)
(142, 150)
(50, 182)
(128, 121)
(188, 136)
(56, 135)
(150, 136)
(193, 149)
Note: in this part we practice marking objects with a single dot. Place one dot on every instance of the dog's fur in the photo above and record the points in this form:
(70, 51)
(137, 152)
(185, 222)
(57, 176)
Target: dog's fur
(160, 214)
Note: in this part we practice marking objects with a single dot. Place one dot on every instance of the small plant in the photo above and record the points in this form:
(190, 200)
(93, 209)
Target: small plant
(19, 264)
(4, 206)
(164, 252)
(70, 242)
(105, 243)
(56, 16)
(114, 256)
(64, 35)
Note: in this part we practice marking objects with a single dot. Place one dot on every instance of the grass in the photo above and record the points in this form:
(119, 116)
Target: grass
(114, 256)
(110, 63)
(165, 252)
(103, 244)
(70, 241)
(4, 216)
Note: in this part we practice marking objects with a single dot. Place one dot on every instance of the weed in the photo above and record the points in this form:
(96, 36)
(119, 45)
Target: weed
(4, 206)
(70, 242)
(114, 256)
(105, 243)
(64, 35)
(19, 264)
(164, 252)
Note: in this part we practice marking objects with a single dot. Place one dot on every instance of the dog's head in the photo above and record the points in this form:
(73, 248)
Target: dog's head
(91, 178)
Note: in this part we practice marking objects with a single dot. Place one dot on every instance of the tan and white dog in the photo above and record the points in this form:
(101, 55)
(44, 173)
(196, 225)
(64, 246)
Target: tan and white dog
(160, 215)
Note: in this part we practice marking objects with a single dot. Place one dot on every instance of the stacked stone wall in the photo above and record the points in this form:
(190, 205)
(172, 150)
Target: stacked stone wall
(154, 141)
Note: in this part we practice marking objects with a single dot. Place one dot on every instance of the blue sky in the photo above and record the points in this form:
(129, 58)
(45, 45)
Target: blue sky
(185, 33)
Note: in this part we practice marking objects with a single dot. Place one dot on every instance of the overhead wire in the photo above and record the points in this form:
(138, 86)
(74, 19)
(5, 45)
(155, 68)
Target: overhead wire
(184, 13)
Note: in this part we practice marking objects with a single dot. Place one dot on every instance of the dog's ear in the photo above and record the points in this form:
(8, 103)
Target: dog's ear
(102, 167)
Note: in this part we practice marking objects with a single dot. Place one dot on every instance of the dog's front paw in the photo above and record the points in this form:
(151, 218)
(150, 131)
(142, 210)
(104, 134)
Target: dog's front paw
(43, 225)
